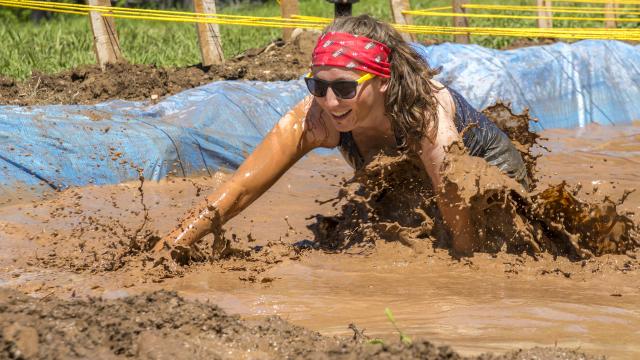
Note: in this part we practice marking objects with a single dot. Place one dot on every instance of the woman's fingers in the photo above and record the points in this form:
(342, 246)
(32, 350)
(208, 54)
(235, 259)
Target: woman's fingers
(192, 230)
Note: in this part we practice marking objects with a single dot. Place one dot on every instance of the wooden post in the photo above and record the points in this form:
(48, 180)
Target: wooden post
(544, 10)
(208, 34)
(288, 8)
(610, 23)
(459, 21)
(397, 7)
(105, 37)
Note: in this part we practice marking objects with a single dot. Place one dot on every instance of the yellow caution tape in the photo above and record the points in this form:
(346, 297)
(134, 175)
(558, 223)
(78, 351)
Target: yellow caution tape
(84, 9)
(313, 22)
(618, 2)
(439, 8)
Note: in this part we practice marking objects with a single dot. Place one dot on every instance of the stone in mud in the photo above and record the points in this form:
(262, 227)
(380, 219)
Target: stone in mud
(20, 342)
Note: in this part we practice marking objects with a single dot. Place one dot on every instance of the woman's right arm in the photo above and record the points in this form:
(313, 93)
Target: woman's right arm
(298, 132)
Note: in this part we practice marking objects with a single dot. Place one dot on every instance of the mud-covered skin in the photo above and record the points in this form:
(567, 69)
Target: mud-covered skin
(162, 325)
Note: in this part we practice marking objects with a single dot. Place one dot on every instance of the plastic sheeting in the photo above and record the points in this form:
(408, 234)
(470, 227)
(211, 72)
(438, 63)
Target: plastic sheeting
(563, 85)
(197, 131)
(216, 125)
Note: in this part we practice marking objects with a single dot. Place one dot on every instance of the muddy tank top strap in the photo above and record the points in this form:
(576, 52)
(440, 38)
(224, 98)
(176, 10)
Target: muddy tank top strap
(349, 151)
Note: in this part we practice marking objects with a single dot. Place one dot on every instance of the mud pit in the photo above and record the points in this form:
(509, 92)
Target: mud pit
(323, 249)
(78, 244)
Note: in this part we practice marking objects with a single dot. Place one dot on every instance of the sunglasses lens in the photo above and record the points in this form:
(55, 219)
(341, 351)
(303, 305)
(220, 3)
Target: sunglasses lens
(317, 87)
(345, 89)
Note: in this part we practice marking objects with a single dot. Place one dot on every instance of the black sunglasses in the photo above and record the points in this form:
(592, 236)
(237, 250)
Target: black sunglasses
(344, 89)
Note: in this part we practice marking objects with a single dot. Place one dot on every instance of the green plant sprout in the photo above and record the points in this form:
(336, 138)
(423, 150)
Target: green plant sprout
(404, 338)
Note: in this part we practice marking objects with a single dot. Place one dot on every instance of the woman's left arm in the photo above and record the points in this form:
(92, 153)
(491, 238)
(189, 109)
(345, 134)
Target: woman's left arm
(433, 156)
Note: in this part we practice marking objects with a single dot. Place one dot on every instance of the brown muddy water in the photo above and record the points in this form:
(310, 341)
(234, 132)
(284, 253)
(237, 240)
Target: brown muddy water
(66, 246)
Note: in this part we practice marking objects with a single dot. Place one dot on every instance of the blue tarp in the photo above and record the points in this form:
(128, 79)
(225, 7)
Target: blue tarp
(563, 85)
(199, 130)
(216, 125)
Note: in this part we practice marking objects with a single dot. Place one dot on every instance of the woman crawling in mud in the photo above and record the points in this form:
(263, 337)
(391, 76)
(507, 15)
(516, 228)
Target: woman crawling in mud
(370, 92)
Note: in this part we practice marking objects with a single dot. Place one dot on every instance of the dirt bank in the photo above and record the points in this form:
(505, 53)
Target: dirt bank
(89, 85)
(162, 325)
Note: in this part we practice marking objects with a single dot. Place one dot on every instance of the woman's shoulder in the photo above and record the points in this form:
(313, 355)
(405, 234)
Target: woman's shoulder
(443, 96)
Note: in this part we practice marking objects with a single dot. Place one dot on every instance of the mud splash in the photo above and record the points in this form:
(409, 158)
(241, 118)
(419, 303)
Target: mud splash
(391, 199)
(516, 126)
(552, 219)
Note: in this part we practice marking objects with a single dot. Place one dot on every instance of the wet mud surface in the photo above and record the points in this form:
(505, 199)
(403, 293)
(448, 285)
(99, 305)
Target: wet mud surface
(162, 325)
(391, 199)
(90, 85)
(324, 248)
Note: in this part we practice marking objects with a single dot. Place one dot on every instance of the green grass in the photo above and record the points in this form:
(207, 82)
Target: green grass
(66, 41)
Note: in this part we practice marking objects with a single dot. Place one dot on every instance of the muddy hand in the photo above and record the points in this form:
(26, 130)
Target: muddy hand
(192, 229)
(175, 249)
(171, 258)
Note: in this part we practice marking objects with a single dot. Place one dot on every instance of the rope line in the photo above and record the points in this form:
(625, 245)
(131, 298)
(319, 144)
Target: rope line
(505, 16)
(559, 9)
(314, 22)
(84, 9)
(618, 2)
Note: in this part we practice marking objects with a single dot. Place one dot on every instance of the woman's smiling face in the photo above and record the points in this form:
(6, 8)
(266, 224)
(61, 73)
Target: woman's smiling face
(349, 114)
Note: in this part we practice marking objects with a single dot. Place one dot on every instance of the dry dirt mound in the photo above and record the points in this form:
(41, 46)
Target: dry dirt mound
(162, 325)
(89, 85)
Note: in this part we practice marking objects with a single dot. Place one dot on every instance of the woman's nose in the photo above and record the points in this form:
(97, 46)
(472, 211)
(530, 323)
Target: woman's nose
(331, 99)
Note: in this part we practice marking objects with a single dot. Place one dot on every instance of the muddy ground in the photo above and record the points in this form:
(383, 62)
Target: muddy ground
(89, 84)
(162, 325)
(76, 245)
(323, 249)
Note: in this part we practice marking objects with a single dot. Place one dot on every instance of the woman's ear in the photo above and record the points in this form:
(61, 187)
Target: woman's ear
(384, 84)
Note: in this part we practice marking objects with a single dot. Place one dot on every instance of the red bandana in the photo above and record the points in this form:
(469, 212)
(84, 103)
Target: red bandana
(352, 52)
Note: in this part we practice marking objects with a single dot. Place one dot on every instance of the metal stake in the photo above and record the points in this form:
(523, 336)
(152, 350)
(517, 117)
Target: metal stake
(343, 7)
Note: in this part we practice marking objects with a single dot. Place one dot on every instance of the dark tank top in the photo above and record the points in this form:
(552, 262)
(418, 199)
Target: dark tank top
(482, 138)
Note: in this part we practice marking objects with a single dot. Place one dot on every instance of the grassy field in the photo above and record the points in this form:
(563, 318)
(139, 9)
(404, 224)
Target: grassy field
(66, 42)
